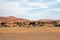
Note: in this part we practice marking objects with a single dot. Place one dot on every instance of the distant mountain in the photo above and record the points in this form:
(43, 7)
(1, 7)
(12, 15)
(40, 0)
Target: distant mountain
(15, 19)
(11, 19)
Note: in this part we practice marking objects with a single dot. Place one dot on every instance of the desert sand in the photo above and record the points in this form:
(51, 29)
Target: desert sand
(30, 36)
(29, 29)
(32, 33)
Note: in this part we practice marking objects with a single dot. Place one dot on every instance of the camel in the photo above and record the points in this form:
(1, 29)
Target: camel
(11, 25)
(26, 23)
(40, 23)
(18, 22)
(50, 23)
(58, 24)
(32, 23)
(46, 23)
(3, 24)
(22, 23)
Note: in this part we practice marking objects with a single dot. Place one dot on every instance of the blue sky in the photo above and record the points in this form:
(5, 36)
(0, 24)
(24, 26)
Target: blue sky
(31, 9)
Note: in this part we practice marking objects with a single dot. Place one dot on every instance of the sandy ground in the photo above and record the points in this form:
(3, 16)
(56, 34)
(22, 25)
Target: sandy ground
(30, 36)
(29, 30)
(34, 33)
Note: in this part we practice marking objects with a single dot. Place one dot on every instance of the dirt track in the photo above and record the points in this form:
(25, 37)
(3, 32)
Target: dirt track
(30, 36)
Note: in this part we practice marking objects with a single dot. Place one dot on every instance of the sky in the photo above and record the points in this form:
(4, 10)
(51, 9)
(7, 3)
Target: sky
(31, 9)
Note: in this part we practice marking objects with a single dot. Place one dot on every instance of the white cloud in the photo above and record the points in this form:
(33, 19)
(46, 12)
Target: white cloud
(41, 5)
(16, 9)
(55, 9)
(58, 0)
(24, 0)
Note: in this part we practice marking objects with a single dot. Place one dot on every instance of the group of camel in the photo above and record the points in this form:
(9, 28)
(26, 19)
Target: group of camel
(19, 22)
(28, 24)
